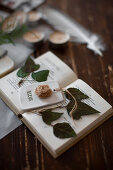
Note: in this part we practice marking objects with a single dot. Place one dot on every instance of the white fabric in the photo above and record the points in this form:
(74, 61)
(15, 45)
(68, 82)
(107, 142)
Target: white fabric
(8, 120)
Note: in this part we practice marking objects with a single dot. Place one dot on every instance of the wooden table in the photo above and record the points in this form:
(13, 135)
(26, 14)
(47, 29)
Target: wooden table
(21, 150)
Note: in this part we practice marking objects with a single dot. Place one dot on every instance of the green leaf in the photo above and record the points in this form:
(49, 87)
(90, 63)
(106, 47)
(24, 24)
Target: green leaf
(18, 31)
(49, 116)
(77, 93)
(4, 39)
(9, 37)
(29, 67)
(63, 130)
(41, 75)
(21, 73)
(82, 108)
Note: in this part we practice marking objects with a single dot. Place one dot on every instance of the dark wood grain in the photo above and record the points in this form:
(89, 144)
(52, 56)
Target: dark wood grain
(21, 150)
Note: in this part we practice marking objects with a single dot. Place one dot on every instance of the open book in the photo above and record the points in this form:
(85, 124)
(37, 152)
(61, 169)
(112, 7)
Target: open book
(60, 72)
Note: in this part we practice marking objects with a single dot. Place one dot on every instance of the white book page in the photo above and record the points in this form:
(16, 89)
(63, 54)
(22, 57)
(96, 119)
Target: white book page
(59, 71)
(45, 132)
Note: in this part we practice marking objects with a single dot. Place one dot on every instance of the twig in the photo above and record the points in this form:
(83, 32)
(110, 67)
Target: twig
(24, 79)
(75, 105)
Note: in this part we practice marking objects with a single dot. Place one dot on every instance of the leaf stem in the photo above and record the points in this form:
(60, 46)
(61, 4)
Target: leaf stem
(75, 105)
(24, 79)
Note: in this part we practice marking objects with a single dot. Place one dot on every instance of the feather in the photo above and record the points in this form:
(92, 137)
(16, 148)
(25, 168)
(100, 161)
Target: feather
(79, 34)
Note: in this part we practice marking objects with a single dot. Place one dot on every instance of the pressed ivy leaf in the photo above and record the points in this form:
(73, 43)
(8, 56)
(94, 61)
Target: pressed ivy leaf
(69, 108)
(84, 109)
(63, 130)
(81, 110)
(40, 75)
(36, 67)
(22, 73)
(30, 65)
(48, 116)
(76, 93)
